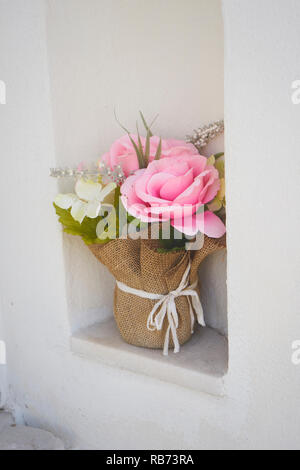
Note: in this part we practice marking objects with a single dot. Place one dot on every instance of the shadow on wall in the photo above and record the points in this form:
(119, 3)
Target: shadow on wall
(213, 290)
(90, 286)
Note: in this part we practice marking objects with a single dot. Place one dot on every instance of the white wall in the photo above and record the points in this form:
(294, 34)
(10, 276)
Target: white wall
(262, 144)
(3, 376)
(93, 406)
(156, 56)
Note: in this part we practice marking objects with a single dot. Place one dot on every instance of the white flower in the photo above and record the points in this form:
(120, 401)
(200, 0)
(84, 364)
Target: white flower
(87, 201)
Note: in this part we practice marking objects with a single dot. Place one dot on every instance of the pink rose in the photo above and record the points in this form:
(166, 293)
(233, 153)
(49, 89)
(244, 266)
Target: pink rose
(122, 152)
(175, 189)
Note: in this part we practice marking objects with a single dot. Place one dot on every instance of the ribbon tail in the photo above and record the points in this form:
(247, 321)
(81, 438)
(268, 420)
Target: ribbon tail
(159, 319)
(173, 322)
(184, 279)
(166, 305)
(151, 321)
(198, 309)
(166, 343)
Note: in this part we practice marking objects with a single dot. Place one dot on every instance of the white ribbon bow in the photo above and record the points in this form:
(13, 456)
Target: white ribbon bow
(165, 306)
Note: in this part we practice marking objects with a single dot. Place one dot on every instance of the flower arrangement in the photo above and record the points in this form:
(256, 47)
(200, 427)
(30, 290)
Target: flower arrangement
(151, 210)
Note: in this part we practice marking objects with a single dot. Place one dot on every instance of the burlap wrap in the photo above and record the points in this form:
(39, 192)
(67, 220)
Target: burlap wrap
(137, 264)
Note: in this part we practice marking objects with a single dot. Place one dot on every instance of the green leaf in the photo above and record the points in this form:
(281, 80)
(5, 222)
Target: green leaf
(86, 230)
(158, 151)
(117, 198)
(175, 242)
(137, 151)
(147, 147)
(218, 155)
(140, 147)
(148, 128)
(211, 160)
(153, 121)
(169, 250)
(220, 166)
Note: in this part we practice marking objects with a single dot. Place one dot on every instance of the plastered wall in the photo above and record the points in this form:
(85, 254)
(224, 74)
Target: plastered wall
(163, 57)
(93, 406)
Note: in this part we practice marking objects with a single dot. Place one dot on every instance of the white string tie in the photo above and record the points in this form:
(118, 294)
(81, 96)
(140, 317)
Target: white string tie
(166, 307)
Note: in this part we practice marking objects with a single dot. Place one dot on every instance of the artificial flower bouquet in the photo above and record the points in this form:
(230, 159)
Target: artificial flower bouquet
(150, 210)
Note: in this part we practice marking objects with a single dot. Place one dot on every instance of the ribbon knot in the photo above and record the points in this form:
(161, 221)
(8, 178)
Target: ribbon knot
(165, 307)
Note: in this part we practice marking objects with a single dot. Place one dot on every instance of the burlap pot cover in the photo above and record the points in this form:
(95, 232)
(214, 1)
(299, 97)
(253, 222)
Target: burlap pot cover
(137, 264)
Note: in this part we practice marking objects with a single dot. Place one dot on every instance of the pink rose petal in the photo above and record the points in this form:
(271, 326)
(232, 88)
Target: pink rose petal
(176, 185)
(207, 223)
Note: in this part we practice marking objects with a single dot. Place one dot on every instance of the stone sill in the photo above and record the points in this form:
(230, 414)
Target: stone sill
(201, 364)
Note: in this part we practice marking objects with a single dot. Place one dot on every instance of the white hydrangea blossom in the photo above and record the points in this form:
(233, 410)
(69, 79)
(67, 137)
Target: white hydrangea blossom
(87, 200)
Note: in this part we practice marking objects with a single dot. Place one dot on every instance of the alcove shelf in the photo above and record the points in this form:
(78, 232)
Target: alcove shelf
(201, 364)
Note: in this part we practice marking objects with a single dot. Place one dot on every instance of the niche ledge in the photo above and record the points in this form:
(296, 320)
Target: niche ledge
(201, 364)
